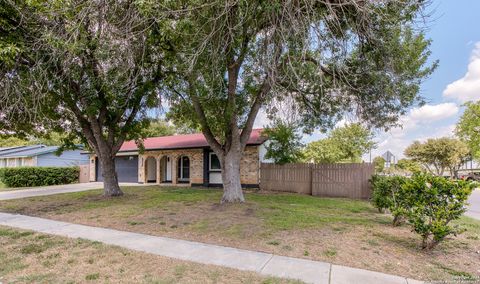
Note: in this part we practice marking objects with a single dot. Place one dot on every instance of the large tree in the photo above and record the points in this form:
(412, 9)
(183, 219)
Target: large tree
(231, 58)
(409, 166)
(343, 144)
(440, 154)
(284, 143)
(86, 68)
(468, 128)
(159, 127)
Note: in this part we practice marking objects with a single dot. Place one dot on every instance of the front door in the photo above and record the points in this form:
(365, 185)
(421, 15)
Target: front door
(168, 174)
(166, 169)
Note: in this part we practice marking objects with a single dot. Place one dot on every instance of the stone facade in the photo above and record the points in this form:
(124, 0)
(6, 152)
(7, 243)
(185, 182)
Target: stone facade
(249, 165)
(194, 155)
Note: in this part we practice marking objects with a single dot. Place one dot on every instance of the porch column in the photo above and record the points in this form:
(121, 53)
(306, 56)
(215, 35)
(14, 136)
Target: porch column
(174, 168)
(159, 179)
(141, 169)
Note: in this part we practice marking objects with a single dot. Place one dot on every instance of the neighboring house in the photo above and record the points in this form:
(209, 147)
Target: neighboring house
(40, 156)
(470, 166)
(181, 160)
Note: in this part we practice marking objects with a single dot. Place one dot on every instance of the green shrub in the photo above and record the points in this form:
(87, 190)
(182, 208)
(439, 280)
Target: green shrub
(38, 176)
(433, 202)
(384, 190)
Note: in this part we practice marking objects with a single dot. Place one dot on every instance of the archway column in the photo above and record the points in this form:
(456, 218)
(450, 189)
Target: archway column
(174, 168)
(159, 177)
(141, 169)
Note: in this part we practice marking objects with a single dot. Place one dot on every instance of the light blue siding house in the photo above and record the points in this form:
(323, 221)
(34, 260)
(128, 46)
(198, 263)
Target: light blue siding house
(41, 156)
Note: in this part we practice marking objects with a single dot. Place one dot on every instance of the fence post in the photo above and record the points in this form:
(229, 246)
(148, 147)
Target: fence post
(311, 178)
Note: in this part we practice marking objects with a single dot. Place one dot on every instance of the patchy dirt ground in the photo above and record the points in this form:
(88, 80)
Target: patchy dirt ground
(27, 257)
(340, 231)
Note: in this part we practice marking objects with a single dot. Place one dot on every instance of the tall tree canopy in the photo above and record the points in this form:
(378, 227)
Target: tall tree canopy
(468, 128)
(97, 65)
(344, 144)
(87, 68)
(439, 155)
(284, 144)
(231, 58)
(409, 166)
(159, 127)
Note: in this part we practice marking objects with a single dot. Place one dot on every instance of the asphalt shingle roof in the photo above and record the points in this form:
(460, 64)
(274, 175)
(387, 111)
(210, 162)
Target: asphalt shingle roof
(196, 140)
(27, 151)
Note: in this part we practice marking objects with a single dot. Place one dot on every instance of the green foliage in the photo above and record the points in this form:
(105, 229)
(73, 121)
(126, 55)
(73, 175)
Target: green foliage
(354, 140)
(408, 166)
(438, 155)
(284, 144)
(429, 203)
(385, 194)
(323, 151)
(468, 128)
(344, 144)
(379, 163)
(88, 70)
(157, 128)
(38, 176)
(50, 139)
(434, 203)
(13, 141)
(275, 50)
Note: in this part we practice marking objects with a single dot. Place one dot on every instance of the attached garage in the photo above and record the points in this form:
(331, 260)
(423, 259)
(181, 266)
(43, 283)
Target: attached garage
(126, 166)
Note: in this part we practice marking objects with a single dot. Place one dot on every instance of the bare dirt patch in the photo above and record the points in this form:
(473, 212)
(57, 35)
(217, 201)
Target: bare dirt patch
(28, 257)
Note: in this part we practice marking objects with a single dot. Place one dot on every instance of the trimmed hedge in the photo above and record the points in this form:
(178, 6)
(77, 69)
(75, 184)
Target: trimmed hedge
(38, 176)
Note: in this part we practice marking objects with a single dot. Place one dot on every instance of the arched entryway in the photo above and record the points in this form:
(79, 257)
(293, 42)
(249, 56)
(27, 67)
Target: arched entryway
(165, 169)
(183, 169)
(151, 170)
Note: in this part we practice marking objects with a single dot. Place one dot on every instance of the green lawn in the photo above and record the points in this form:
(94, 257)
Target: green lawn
(342, 231)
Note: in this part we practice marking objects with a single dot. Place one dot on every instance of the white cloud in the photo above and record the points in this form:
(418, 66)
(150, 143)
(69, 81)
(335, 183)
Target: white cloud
(429, 113)
(423, 115)
(467, 88)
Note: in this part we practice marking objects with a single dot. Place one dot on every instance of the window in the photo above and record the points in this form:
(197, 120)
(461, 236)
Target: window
(18, 162)
(214, 163)
(3, 163)
(183, 170)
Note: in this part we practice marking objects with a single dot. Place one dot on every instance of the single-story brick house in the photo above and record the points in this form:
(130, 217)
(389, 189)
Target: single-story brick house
(181, 160)
(40, 156)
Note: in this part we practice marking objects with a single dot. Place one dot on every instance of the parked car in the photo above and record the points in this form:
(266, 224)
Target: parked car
(472, 176)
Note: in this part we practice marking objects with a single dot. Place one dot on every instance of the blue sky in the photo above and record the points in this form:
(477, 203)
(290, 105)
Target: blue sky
(454, 28)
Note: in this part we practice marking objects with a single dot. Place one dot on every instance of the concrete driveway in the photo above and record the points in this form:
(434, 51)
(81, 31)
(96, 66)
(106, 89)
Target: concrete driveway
(474, 208)
(54, 189)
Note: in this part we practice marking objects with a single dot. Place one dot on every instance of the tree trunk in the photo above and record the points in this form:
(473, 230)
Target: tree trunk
(110, 179)
(397, 220)
(232, 188)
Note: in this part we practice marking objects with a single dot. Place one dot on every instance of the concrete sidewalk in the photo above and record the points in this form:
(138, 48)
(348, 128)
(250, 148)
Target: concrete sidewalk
(54, 189)
(264, 263)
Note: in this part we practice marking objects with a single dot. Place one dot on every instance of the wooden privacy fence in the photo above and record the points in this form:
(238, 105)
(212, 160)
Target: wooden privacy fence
(329, 180)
